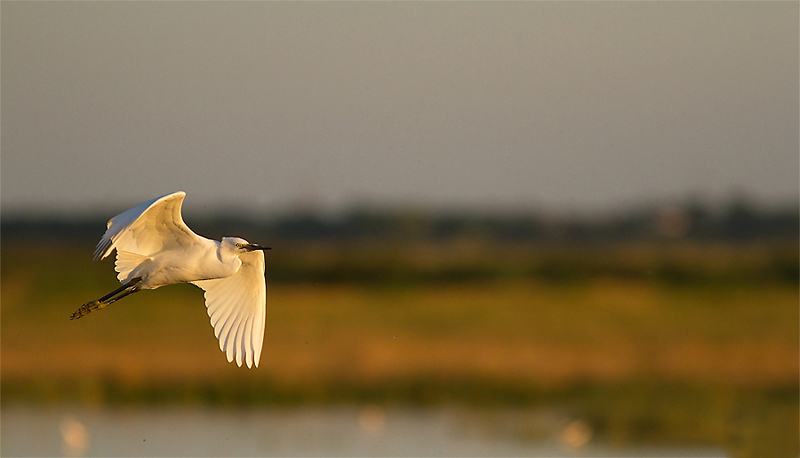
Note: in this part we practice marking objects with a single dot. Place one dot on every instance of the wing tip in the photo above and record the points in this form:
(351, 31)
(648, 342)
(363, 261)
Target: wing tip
(242, 359)
(103, 249)
(181, 194)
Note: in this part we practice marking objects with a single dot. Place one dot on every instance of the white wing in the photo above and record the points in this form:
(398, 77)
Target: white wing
(148, 228)
(237, 306)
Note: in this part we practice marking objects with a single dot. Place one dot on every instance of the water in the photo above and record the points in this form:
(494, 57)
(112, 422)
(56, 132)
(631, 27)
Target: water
(363, 431)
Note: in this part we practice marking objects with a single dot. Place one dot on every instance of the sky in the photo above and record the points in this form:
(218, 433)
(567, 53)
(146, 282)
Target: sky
(274, 106)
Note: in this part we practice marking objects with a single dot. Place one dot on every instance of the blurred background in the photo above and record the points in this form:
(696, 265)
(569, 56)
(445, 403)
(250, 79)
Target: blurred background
(561, 229)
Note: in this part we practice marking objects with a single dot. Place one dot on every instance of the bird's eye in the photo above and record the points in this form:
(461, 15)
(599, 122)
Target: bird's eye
(239, 245)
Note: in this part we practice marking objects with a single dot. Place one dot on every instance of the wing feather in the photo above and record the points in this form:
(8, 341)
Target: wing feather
(237, 309)
(247, 344)
(224, 314)
(148, 228)
(236, 344)
(230, 337)
(221, 314)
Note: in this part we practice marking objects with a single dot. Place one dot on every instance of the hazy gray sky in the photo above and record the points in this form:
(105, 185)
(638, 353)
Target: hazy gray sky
(548, 105)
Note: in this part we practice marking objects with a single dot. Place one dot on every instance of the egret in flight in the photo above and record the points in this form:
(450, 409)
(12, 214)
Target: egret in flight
(156, 248)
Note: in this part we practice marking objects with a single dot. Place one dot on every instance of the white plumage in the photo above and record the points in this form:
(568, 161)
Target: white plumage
(156, 248)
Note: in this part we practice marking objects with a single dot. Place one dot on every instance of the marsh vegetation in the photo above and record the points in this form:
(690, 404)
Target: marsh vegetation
(647, 341)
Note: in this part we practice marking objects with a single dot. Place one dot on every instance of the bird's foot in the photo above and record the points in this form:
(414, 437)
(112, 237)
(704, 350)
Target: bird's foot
(86, 308)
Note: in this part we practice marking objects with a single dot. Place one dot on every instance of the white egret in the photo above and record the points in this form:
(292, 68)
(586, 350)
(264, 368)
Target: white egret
(156, 248)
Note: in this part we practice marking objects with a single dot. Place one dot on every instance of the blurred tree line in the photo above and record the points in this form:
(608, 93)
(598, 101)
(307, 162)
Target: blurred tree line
(740, 221)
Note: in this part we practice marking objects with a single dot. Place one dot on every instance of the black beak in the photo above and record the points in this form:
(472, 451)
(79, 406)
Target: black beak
(253, 247)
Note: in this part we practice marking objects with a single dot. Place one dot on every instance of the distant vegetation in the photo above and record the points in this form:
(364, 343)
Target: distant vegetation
(692, 221)
(675, 243)
(669, 325)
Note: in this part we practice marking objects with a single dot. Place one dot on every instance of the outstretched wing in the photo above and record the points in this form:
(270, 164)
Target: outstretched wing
(237, 306)
(147, 228)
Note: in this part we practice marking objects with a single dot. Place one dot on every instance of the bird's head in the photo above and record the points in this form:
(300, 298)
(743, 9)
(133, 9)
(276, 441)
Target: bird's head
(239, 245)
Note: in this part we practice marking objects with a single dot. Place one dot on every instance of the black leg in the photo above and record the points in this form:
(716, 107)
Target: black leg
(126, 289)
(112, 293)
(130, 290)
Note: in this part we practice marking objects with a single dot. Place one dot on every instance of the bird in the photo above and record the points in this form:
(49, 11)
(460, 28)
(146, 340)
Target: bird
(156, 248)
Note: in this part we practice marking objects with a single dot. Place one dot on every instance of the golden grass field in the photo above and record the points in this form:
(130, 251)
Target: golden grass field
(711, 361)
